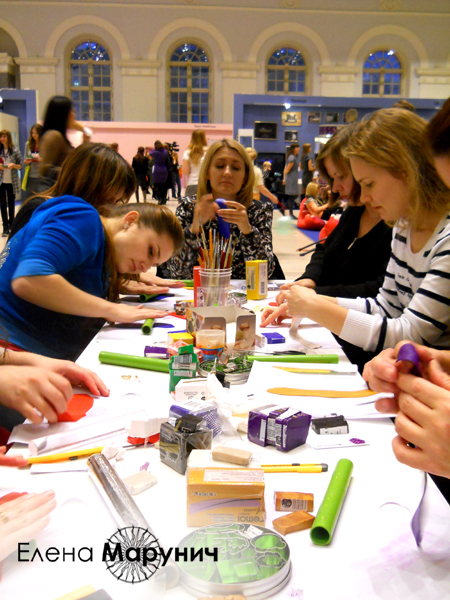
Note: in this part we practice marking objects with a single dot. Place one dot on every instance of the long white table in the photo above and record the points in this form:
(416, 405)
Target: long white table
(373, 554)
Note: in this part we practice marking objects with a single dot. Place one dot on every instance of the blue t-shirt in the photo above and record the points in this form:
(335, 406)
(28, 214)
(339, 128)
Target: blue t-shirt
(64, 237)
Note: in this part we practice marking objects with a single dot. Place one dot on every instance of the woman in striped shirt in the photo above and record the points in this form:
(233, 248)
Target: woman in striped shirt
(392, 163)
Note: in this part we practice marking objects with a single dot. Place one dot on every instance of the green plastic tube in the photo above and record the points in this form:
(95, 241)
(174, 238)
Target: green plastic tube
(137, 362)
(325, 522)
(147, 297)
(147, 326)
(291, 358)
(188, 282)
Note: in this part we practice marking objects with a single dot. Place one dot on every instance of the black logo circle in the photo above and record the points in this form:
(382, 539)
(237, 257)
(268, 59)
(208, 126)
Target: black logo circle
(132, 554)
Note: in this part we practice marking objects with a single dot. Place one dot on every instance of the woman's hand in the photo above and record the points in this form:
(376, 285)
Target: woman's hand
(139, 287)
(123, 313)
(273, 315)
(424, 420)
(236, 214)
(34, 392)
(74, 373)
(309, 283)
(151, 279)
(28, 161)
(11, 461)
(297, 299)
(22, 519)
(205, 210)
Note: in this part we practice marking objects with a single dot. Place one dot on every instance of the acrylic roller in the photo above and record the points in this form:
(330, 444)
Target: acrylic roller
(328, 515)
(136, 362)
(292, 358)
(147, 326)
(122, 506)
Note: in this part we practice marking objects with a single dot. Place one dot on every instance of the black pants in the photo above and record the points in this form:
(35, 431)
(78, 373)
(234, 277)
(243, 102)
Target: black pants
(291, 203)
(176, 183)
(160, 192)
(7, 200)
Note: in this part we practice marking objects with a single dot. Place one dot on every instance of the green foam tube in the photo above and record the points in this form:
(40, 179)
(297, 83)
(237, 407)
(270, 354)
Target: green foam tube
(325, 522)
(292, 358)
(147, 297)
(137, 362)
(147, 326)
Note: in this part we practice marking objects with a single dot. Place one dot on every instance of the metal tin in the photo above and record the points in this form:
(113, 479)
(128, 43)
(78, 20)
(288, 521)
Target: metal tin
(236, 372)
(253, 561)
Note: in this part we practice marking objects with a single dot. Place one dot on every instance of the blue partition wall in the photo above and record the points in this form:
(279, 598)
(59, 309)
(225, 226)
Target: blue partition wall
(251, 108)
(21, 104)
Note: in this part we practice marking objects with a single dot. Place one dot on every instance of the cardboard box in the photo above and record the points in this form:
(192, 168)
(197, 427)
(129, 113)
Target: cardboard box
(256, 279)
(217, 496)
(217, 317)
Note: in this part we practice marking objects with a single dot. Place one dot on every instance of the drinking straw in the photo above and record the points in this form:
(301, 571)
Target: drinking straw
(147, 326)
(301, 358)
(325, 522)
(136, 362)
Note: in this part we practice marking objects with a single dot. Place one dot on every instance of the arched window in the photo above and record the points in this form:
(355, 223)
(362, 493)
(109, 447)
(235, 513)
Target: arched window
(286, 72)
(90, 82)
(382, 74)
(189, 85)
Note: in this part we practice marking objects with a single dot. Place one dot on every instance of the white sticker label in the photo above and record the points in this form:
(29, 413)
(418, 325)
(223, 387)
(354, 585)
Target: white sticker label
(234, 475)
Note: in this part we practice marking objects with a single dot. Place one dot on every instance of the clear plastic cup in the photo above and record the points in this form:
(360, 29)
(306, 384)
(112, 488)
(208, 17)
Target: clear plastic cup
(215, 284)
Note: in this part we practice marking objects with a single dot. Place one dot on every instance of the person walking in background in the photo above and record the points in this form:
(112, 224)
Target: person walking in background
(192, 160)
(11, 162)
(31, 177)
(160, 172)
(307, 168)
(291, 177)
(140, 168)
(176, 181)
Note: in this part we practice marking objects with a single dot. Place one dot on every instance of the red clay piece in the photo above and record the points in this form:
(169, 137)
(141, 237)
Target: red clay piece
(76, 408)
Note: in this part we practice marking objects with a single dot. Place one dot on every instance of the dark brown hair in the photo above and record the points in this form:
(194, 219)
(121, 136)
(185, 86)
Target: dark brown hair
(32, 144)
(151, 216)
(9, 147)
(438, 131)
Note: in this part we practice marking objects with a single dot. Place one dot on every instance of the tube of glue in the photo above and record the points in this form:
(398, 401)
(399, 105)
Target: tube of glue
(224, 227)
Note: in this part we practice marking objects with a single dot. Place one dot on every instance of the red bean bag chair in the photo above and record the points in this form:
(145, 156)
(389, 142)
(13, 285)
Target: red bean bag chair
(328, 227)
(307, 221)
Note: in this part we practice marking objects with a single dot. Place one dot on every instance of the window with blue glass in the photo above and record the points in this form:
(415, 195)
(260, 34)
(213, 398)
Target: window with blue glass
(189, 85)
(382, 74)
(91, 81)
(286, 72)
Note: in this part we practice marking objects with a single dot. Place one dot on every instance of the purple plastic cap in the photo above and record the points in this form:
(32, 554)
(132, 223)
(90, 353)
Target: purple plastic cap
(408, 352)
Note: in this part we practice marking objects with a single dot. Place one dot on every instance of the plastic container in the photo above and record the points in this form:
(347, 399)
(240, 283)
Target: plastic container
(211, 342)
(215, 284)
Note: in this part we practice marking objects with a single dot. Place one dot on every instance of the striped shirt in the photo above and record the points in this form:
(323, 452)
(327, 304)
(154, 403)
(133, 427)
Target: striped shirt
(414, 301)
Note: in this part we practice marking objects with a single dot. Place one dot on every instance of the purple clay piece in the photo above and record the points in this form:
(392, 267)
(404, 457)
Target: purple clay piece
(357, 441)
(224, 227)
(409, 353)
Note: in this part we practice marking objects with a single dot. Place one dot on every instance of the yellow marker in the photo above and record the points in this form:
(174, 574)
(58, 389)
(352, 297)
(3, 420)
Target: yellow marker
(54, 458)
(304, 469)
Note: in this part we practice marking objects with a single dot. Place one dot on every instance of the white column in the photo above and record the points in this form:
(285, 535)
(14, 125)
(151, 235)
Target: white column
(237, 78)
(338, 81)
(139, 90)
(38, 74)
(434, 83)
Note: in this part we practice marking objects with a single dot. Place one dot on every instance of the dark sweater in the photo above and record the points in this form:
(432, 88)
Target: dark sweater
(347, 267)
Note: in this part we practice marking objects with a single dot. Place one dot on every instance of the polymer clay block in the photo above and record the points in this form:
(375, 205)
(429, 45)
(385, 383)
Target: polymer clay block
(295, 521)
(139, 482)
(274, 338)
(291, 429)
(293, 501)
(232, 455)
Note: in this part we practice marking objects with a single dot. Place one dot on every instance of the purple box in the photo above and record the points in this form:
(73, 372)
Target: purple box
(291, 429)
(270, 432)
(257, 424)
(274, 338)
(155, 352)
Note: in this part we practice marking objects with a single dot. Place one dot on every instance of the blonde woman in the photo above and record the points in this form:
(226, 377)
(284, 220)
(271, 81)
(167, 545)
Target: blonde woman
(192, 160)
(227, 173)
(390, 160)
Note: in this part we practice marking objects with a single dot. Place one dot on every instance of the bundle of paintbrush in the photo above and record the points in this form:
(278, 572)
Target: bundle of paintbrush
(218, 254)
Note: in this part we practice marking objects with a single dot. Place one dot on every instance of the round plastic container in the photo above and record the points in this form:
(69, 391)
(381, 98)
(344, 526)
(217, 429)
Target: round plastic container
(211, 342)
(215, 284)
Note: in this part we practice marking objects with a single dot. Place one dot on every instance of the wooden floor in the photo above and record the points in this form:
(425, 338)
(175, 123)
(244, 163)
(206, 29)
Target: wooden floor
(286, 239)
